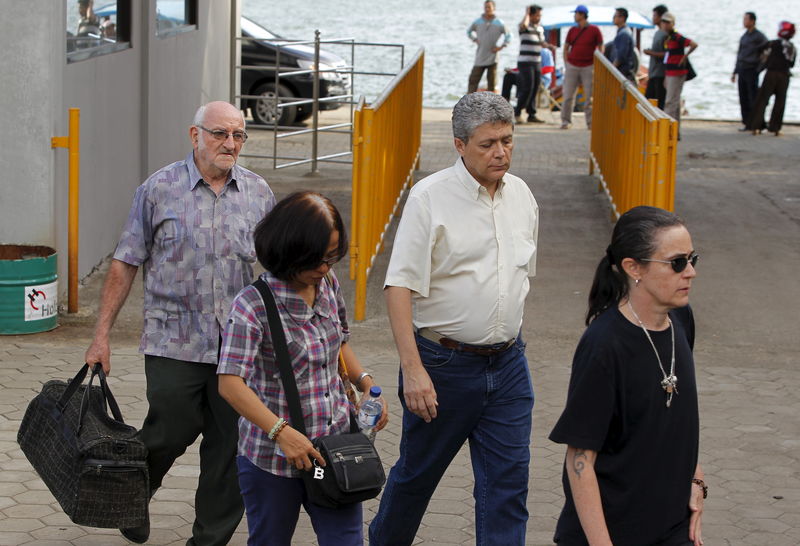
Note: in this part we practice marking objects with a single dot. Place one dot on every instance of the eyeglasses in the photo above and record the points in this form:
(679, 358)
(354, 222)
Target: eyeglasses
(330, 261)
(238, 136)
(678, 264)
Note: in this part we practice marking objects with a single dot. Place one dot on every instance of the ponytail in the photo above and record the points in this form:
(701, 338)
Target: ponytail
(634, 237)
(609, 287)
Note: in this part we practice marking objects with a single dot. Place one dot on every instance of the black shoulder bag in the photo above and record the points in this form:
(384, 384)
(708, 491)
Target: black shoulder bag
(353, 471)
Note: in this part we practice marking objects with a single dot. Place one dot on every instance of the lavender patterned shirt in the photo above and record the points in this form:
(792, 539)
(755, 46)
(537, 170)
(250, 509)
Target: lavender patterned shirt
(314, 337)
(196, 249)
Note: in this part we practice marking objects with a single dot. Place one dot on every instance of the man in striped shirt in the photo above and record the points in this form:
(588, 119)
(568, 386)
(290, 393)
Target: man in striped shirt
(529, 62)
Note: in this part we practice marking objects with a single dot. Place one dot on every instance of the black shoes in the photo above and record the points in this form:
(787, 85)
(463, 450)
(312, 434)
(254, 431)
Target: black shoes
(534, 119)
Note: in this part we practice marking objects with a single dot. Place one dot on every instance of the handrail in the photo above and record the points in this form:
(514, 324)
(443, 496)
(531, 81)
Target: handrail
(633, 143)
(386, 145)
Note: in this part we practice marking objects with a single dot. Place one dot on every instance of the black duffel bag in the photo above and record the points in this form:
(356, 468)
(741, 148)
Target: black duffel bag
(94, 464)
(353, 471)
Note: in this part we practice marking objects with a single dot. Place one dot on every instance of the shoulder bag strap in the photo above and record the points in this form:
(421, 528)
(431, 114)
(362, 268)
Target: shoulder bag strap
(282, 357)
(575, 41)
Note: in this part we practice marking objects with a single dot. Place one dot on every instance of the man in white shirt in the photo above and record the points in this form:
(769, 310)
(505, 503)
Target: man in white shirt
(455, 291)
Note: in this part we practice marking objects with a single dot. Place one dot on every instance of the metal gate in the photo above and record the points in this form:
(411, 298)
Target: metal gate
(329, 85)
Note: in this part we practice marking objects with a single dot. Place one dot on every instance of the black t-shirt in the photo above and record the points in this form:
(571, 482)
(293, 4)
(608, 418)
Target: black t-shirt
(646, 452)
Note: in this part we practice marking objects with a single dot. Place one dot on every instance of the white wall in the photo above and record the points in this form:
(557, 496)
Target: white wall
(28, 86)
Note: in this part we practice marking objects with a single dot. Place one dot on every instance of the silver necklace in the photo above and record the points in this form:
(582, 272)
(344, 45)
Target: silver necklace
(669, 382)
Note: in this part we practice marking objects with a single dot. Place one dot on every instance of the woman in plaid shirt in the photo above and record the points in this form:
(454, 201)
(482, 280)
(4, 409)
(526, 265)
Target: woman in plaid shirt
(297, 243)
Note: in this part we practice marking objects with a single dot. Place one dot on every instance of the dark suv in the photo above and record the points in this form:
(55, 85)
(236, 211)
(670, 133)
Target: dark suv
(261, 51)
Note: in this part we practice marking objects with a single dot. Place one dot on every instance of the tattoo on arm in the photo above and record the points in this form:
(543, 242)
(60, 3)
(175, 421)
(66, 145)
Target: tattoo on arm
(579, 461)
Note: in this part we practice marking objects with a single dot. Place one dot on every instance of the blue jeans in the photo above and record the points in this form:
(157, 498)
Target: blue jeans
(273, 506)
(486, 400)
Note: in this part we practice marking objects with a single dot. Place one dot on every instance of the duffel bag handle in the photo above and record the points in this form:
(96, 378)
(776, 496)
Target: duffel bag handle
(72, 387)
(108, 398)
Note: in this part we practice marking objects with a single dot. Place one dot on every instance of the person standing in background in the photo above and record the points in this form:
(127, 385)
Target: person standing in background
(581, 42)
(485, 31)
(529, 63)
(655, 73)
(782, 56)
(746, 69)
(623, 45)
(675, 68)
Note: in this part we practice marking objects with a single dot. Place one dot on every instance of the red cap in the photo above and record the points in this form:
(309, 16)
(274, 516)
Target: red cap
(786, 30)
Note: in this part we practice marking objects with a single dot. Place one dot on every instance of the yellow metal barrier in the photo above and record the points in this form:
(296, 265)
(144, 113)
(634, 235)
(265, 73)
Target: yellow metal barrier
(73, 143)
(386, 143)
(634, 144)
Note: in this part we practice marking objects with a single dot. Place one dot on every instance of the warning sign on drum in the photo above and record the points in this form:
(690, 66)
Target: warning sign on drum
(41, 301)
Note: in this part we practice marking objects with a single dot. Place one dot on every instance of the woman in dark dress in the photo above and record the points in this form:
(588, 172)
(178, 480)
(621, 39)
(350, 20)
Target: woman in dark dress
(782, 56)
(631, 426)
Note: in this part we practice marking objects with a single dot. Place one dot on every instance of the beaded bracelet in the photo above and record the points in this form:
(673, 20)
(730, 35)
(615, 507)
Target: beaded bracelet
(702, 485)
(280, 428)
(273, 433)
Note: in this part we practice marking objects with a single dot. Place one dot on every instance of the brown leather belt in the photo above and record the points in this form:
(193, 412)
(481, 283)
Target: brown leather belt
(482, 350)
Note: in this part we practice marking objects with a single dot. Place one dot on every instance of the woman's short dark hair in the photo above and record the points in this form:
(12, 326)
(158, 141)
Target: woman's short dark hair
(294, 236)
(634, 237)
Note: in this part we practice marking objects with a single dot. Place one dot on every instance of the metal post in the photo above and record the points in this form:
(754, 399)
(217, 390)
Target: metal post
(277, 107)
(73, 143)
(315, 109)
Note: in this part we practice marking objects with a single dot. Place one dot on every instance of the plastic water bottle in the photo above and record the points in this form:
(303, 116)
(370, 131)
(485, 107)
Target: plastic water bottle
(370, 413)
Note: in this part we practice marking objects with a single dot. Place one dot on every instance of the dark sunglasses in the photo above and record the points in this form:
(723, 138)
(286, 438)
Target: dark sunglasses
(678, 264)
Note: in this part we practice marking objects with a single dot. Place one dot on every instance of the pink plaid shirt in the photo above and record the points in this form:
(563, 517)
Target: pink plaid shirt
(314, 337)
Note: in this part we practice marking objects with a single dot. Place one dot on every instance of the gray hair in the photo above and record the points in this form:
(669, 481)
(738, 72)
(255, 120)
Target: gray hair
(475, 109)
(200, 115)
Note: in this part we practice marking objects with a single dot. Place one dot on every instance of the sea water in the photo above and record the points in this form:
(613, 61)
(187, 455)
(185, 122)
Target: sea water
(440, 27)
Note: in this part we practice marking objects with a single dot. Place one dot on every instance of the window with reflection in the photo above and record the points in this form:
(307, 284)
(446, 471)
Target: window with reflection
(175, 16)
(94, 29)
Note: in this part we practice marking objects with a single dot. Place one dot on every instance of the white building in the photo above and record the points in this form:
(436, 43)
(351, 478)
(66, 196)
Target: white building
(137, 89)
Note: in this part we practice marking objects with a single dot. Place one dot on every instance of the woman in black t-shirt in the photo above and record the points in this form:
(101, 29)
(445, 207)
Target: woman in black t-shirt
(631, 425)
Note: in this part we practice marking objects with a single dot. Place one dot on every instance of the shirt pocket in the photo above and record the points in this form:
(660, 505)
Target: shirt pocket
(240, 237)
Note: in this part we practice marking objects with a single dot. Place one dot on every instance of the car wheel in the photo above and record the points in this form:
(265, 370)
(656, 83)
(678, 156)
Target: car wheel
(302, 114)
(264, 109)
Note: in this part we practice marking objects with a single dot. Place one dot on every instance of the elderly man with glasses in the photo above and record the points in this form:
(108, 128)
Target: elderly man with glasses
(190, 228)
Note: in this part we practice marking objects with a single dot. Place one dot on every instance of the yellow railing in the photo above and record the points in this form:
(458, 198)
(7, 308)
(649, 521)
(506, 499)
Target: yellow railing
(634, 143)
(386, 144)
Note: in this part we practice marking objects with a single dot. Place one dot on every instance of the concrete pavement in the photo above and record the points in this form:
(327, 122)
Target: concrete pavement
(740, 197)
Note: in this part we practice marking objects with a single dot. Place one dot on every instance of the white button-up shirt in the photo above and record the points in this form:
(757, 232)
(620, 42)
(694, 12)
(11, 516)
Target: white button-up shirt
(465, 256)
